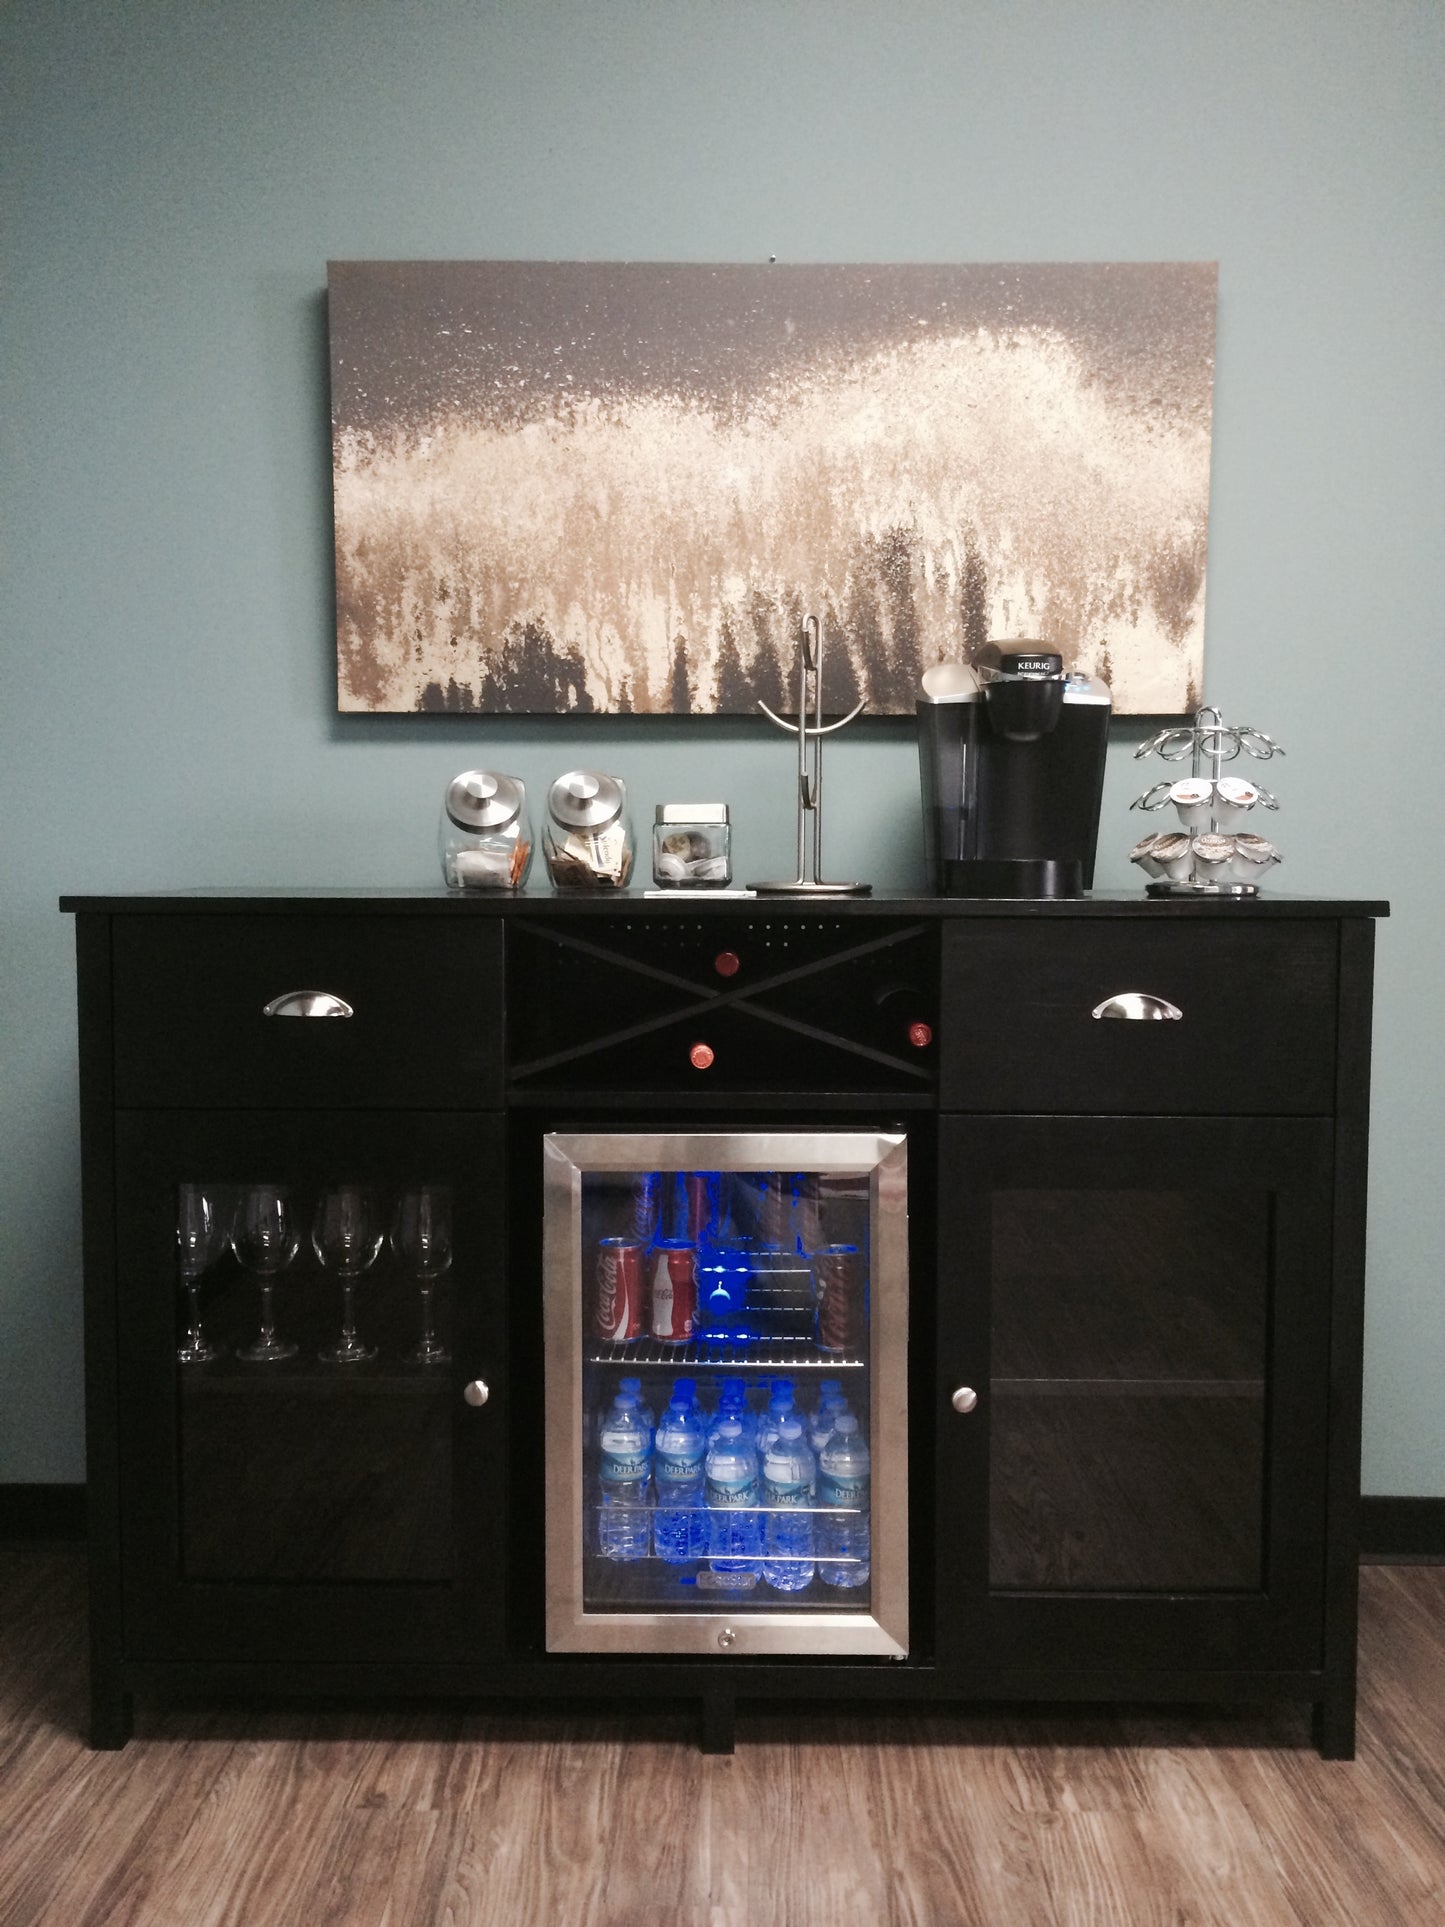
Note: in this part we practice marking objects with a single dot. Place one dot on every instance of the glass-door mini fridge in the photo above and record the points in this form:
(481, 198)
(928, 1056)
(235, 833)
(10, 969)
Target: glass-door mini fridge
(726, 1323)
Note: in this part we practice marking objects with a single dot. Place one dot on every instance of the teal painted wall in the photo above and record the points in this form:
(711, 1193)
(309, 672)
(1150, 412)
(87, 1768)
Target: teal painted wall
(177, 177)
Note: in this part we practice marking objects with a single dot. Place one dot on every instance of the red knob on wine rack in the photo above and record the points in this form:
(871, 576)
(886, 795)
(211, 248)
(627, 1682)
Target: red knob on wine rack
(920, 1035)
(700, 1056)
(727, 963)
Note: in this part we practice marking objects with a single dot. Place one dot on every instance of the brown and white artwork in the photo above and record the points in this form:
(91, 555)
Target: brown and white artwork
(619, 487)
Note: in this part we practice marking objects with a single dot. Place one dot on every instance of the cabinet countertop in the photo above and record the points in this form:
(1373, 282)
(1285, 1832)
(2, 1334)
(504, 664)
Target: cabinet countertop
(436, 901)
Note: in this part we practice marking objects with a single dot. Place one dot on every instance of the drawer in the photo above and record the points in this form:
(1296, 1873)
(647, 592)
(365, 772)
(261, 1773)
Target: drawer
(1256, 1034)
(191, 994)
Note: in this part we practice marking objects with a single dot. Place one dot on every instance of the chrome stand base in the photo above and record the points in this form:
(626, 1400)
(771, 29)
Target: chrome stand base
(1186, 887)
(806, 887)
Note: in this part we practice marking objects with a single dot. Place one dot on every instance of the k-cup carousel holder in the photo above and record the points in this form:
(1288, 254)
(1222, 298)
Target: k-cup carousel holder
(1208, 854)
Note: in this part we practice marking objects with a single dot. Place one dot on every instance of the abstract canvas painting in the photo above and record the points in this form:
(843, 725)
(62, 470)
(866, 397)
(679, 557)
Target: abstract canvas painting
(620, 487)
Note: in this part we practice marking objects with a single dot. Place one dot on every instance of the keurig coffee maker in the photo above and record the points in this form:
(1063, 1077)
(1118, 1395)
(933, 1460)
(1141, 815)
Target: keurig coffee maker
(1012, 759)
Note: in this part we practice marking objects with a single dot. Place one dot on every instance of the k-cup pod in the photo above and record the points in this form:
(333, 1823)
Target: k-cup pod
(1213, 855)
(1233, 798)
(1173, 854)
(1143, 854)
(1192, 797)
(1253, 857)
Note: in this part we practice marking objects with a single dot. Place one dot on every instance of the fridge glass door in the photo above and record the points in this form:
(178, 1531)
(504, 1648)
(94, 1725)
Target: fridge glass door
(726, 1330)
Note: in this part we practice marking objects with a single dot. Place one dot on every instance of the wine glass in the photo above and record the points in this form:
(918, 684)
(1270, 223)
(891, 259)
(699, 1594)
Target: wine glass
(200, 1240)
(421, 1237)
(266, 1241)
(347, 1236)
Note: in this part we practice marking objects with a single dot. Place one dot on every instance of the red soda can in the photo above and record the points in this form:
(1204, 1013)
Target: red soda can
(674, 1291)
(696, 1213)
(811, 1192)
(646, 1203)
(838, 1289)
(619, 1289)
(775, 1210)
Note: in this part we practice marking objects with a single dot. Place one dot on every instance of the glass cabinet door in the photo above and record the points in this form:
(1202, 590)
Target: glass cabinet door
(1137, 1308)
(726, 1321)
(301, 1301)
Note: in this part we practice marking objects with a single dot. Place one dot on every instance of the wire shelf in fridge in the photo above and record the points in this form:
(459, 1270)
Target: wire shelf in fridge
(760, 1354)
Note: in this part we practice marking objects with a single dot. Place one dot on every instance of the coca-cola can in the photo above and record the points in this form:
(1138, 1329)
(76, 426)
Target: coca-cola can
(619, 1290)
(646, 1203)
(838, 1287)
(674, 1291)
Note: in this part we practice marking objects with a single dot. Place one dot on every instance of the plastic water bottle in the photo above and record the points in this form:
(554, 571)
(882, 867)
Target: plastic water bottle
(679, 1518)
(789, 1480)
(732, 1404)
(831, 1408)
(625, 1482)
(780, 1406)
(644, 1410)
(631, 1387)
(843, 1481)
(735, 1527)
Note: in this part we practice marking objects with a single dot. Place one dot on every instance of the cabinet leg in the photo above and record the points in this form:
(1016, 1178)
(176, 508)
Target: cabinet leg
(717, 1729)
(1334, 1727)
(110, 1717)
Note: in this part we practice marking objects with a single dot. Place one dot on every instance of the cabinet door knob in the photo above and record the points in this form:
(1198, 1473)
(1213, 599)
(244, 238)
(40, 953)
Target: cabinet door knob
(700, 1057)
(476, 1392)
(964, 1399)
(920, 1035)
(1136, 1004)
(727, 963)
(308, 1003)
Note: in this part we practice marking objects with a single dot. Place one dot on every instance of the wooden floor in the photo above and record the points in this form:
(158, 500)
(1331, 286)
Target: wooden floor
(293, 1817)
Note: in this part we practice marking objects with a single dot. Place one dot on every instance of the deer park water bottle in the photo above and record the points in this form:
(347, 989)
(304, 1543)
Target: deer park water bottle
(780, 1406)
(789, 1476)
(843, 1483)
(625, 1480)
(679, 1517)
(735, 1526)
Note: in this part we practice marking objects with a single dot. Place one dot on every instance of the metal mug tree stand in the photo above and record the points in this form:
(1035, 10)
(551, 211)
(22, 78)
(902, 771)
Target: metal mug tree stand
(808, 881)
(1217, 873)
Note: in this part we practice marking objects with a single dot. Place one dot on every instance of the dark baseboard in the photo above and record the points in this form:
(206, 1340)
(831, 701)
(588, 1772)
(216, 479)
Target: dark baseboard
(1390, 1529)
(1401, 1529)
(42, 1511)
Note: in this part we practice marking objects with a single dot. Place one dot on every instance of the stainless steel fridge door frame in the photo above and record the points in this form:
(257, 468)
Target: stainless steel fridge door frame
(882, 1157)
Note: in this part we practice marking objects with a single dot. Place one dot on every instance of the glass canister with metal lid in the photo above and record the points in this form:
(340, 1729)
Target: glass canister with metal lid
(484, 839)
(692, 846)
(587, 839)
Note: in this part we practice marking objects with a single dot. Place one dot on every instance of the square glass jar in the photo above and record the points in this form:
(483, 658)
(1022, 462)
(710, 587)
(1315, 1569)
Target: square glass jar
(692, 846)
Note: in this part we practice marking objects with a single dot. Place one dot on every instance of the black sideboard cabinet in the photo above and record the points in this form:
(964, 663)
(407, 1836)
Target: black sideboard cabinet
(1136, 1254)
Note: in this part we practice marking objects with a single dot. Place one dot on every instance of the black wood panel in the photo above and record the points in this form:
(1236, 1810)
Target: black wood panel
(1112, 1496)
(191, 990)
(1257, 1033)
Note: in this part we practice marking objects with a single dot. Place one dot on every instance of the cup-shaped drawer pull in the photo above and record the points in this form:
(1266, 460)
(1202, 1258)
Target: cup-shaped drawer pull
(308, 1003)
(1137, 1004)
